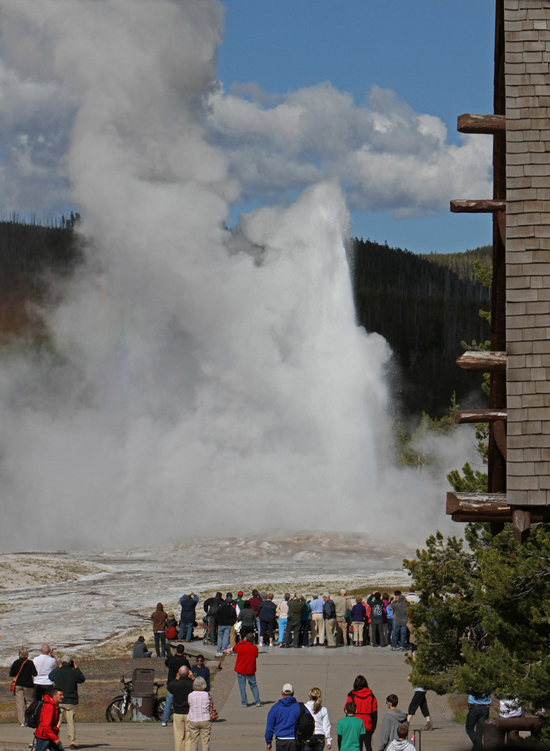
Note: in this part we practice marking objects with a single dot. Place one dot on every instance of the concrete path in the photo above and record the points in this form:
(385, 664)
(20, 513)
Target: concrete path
(240, 729)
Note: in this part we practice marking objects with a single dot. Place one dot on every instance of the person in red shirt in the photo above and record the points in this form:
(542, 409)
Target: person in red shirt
(245, 667)
(366, 709)
(47, 732)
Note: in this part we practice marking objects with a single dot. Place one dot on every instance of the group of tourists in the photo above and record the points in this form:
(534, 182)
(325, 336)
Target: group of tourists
(48, 687)
(296, 620)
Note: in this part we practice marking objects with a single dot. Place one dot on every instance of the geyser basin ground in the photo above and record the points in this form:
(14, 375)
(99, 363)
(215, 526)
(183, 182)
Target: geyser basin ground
(78, 600)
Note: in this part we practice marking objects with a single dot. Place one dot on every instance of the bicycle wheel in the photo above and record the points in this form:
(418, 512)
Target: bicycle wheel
(114, 712)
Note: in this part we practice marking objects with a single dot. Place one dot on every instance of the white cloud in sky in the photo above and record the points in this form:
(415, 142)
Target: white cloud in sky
(386, 155)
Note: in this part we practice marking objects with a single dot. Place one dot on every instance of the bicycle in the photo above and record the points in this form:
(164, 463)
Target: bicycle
(121, 708)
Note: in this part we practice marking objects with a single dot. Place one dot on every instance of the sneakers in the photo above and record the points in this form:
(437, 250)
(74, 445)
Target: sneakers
(428, 726)
(219, 654)
(73, 745)
(258, 703)
(164, 724)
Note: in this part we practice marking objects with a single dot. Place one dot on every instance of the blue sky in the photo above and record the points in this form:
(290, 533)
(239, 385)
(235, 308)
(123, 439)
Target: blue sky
(365, 92)
(436, 55)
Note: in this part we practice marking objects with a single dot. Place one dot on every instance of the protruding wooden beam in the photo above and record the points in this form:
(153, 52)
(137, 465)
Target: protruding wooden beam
(500, 438)
(481, 206)
(482, 360)
(480, 415)
(469, 123)
(493, 505)
(521, 525)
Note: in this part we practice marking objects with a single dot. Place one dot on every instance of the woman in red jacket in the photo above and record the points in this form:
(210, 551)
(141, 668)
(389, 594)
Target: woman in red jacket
(367, 709)
(47, 732)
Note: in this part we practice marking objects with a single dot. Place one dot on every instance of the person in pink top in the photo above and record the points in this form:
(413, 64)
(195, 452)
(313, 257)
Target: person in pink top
(199, 716)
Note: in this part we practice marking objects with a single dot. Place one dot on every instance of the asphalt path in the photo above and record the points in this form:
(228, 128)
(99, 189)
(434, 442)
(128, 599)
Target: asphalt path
(242, 729)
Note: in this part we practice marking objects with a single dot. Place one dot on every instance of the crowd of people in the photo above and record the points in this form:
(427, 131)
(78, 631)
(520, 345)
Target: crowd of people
(297, 620)
(237, 625)
(53, 683)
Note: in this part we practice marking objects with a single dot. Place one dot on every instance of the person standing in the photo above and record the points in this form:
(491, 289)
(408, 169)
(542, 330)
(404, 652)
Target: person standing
(366, 709)
(188, 605)
(245, 667)
(317, 621)
(281, 721)
(254, 602)
(211, 606)
(23, 670)
(67, 677)
(294, 624)
(478, 713)
(378, 631)
(282, 615)
(341, 605)
(173, 664)
(180, 689)
(201, 670)
(268, 615)
(199, 716)
(159, 630)
(320, 716)
(399, 622)
(358, 615)
(349, 730)
(226, 619)
(47, 732)
(44, 663)
(329, 614)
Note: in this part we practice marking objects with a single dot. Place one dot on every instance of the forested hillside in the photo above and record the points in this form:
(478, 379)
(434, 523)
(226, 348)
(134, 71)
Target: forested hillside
(424, 310)
(424, 306)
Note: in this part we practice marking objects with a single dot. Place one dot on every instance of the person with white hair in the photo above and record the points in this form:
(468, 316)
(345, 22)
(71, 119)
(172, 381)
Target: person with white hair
(44, 663)
(199, 721)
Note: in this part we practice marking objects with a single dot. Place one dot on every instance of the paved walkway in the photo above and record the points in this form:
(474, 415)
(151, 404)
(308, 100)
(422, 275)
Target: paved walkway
(240, 729)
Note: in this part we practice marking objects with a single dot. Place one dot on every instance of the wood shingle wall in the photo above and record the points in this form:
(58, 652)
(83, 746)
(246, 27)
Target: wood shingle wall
(527, 76)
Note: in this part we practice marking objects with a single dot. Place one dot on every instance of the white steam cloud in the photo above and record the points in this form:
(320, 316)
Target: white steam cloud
(202, 382)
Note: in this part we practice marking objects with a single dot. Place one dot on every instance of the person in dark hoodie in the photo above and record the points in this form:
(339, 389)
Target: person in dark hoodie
(268, 616)
(187, 618)
(392, 719)
(366, 709)
(399, 622)
(281, 721)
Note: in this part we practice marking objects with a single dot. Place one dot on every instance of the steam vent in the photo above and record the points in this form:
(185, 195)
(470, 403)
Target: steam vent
(519, 363)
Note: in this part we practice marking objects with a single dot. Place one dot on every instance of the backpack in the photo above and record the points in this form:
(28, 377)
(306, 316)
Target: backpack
(171, 632)
(213, 609)
(329, 610)
(33, 712)
(305, 726)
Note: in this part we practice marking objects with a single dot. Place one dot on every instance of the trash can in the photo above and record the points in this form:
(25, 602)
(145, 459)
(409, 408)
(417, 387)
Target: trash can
(143, 691)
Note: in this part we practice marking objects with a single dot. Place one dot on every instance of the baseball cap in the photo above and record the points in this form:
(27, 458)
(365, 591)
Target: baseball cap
(239, 593)
(288, 688)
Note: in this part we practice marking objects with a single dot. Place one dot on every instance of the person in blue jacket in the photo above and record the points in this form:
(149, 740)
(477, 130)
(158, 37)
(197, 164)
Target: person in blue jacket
(188, 606)
(281, 721)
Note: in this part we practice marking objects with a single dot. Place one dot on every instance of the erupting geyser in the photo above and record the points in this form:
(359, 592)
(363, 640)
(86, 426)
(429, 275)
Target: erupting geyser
(201, 381)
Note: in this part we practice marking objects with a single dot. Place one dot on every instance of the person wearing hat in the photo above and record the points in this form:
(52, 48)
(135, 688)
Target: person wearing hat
(67, 677)
(281, 721)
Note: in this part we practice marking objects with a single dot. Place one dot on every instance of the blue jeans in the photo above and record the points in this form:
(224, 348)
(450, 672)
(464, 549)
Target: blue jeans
(223, 637)
(253, 687)
(160, 643)
(187, 629)
(167, 706)
(282, 627)
(399, 631)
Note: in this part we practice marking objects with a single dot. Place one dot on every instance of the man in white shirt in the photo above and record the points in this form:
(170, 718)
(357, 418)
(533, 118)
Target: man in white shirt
(44, 663)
